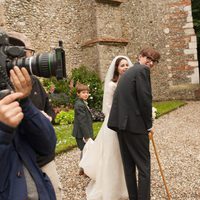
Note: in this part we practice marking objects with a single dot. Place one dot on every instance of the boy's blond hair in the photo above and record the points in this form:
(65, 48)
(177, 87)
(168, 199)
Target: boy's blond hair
(80, 87)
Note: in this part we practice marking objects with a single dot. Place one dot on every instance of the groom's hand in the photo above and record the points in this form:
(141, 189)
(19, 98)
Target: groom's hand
(151, 132)
(85, 139)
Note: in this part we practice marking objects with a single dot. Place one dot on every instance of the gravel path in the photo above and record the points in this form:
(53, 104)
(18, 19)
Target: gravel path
(177, 138)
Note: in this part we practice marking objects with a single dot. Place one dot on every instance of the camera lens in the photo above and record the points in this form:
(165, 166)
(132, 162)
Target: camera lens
(43, 65)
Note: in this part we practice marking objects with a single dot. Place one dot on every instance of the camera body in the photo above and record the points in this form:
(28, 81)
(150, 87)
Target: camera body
(42, 65)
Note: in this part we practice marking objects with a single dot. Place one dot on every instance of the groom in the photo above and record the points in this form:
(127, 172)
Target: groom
(131, 118)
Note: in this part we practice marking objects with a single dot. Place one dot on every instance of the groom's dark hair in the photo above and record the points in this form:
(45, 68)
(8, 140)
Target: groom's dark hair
(150, 53)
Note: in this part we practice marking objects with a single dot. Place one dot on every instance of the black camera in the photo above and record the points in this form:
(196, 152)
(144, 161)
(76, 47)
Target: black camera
(42, 65)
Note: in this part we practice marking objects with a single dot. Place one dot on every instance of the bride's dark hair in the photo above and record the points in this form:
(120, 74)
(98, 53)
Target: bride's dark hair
(116, 73)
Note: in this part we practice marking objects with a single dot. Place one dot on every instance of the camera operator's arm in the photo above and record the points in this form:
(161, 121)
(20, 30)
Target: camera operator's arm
(10, 116)
(46, 115)
(35, 127)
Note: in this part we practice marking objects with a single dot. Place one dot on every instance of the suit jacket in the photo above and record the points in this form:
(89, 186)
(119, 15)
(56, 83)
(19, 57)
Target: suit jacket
(40, 98)
(132, 102)
(82, 120)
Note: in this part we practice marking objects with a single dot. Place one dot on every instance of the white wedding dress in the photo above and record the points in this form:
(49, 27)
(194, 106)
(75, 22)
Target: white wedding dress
(102, 161)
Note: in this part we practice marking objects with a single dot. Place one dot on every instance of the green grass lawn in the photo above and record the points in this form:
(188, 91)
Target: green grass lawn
(165, 107)
(65, 141)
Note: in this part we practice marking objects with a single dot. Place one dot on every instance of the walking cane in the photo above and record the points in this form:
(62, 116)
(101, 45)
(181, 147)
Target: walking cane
(161, 171)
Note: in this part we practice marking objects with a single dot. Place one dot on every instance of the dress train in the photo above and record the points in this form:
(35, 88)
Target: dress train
(102, 162)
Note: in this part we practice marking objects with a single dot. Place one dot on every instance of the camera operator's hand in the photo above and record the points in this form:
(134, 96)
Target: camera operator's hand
(21, 81)
(10, 111)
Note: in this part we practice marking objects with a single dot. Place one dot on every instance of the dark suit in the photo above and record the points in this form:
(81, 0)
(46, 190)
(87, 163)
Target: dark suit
(131, 117)
(40, 100)
(82, 123)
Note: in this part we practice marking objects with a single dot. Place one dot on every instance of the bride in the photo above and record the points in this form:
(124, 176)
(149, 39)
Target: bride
(101, 159)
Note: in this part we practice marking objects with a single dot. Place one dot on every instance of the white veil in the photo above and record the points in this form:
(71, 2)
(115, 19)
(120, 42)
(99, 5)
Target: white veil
(108, 77)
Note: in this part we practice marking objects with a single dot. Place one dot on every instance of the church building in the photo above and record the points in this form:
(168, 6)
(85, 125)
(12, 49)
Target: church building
(95, 31)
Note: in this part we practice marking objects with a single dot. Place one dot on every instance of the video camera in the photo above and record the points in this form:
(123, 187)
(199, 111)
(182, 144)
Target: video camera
(42, 65)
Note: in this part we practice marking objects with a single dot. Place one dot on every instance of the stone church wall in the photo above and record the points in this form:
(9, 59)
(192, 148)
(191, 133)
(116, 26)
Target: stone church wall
(45, 22)
(167, 26)
(95, 31)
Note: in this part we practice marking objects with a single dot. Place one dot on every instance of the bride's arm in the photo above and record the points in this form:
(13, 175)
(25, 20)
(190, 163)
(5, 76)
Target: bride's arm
(108, 97)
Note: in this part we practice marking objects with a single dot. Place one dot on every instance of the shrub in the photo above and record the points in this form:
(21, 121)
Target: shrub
(58, 91)
(63, 92)
(60, 86)
(65, 118)
(59, 99)
(91, 78)
(97, 116)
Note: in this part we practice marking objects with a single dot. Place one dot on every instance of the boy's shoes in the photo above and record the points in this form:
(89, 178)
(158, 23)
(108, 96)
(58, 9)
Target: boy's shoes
(81, 172)
(85, 176)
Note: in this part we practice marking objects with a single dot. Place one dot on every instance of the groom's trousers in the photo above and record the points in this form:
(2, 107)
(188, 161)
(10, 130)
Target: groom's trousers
(135, 153)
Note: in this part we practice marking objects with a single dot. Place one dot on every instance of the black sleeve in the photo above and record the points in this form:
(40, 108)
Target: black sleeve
(144, 96)
(40, 98)
(48, 109)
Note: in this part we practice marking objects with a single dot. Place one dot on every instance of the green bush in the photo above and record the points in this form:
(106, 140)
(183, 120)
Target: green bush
(68, 93)
(58, 91)
(65, 118)
(91, 78)
(61, 86)
(59, 99)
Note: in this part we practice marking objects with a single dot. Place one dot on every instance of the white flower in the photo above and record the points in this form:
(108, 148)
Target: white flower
(154, 112)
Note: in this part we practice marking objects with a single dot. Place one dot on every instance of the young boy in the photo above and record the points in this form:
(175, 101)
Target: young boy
(82, 130)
